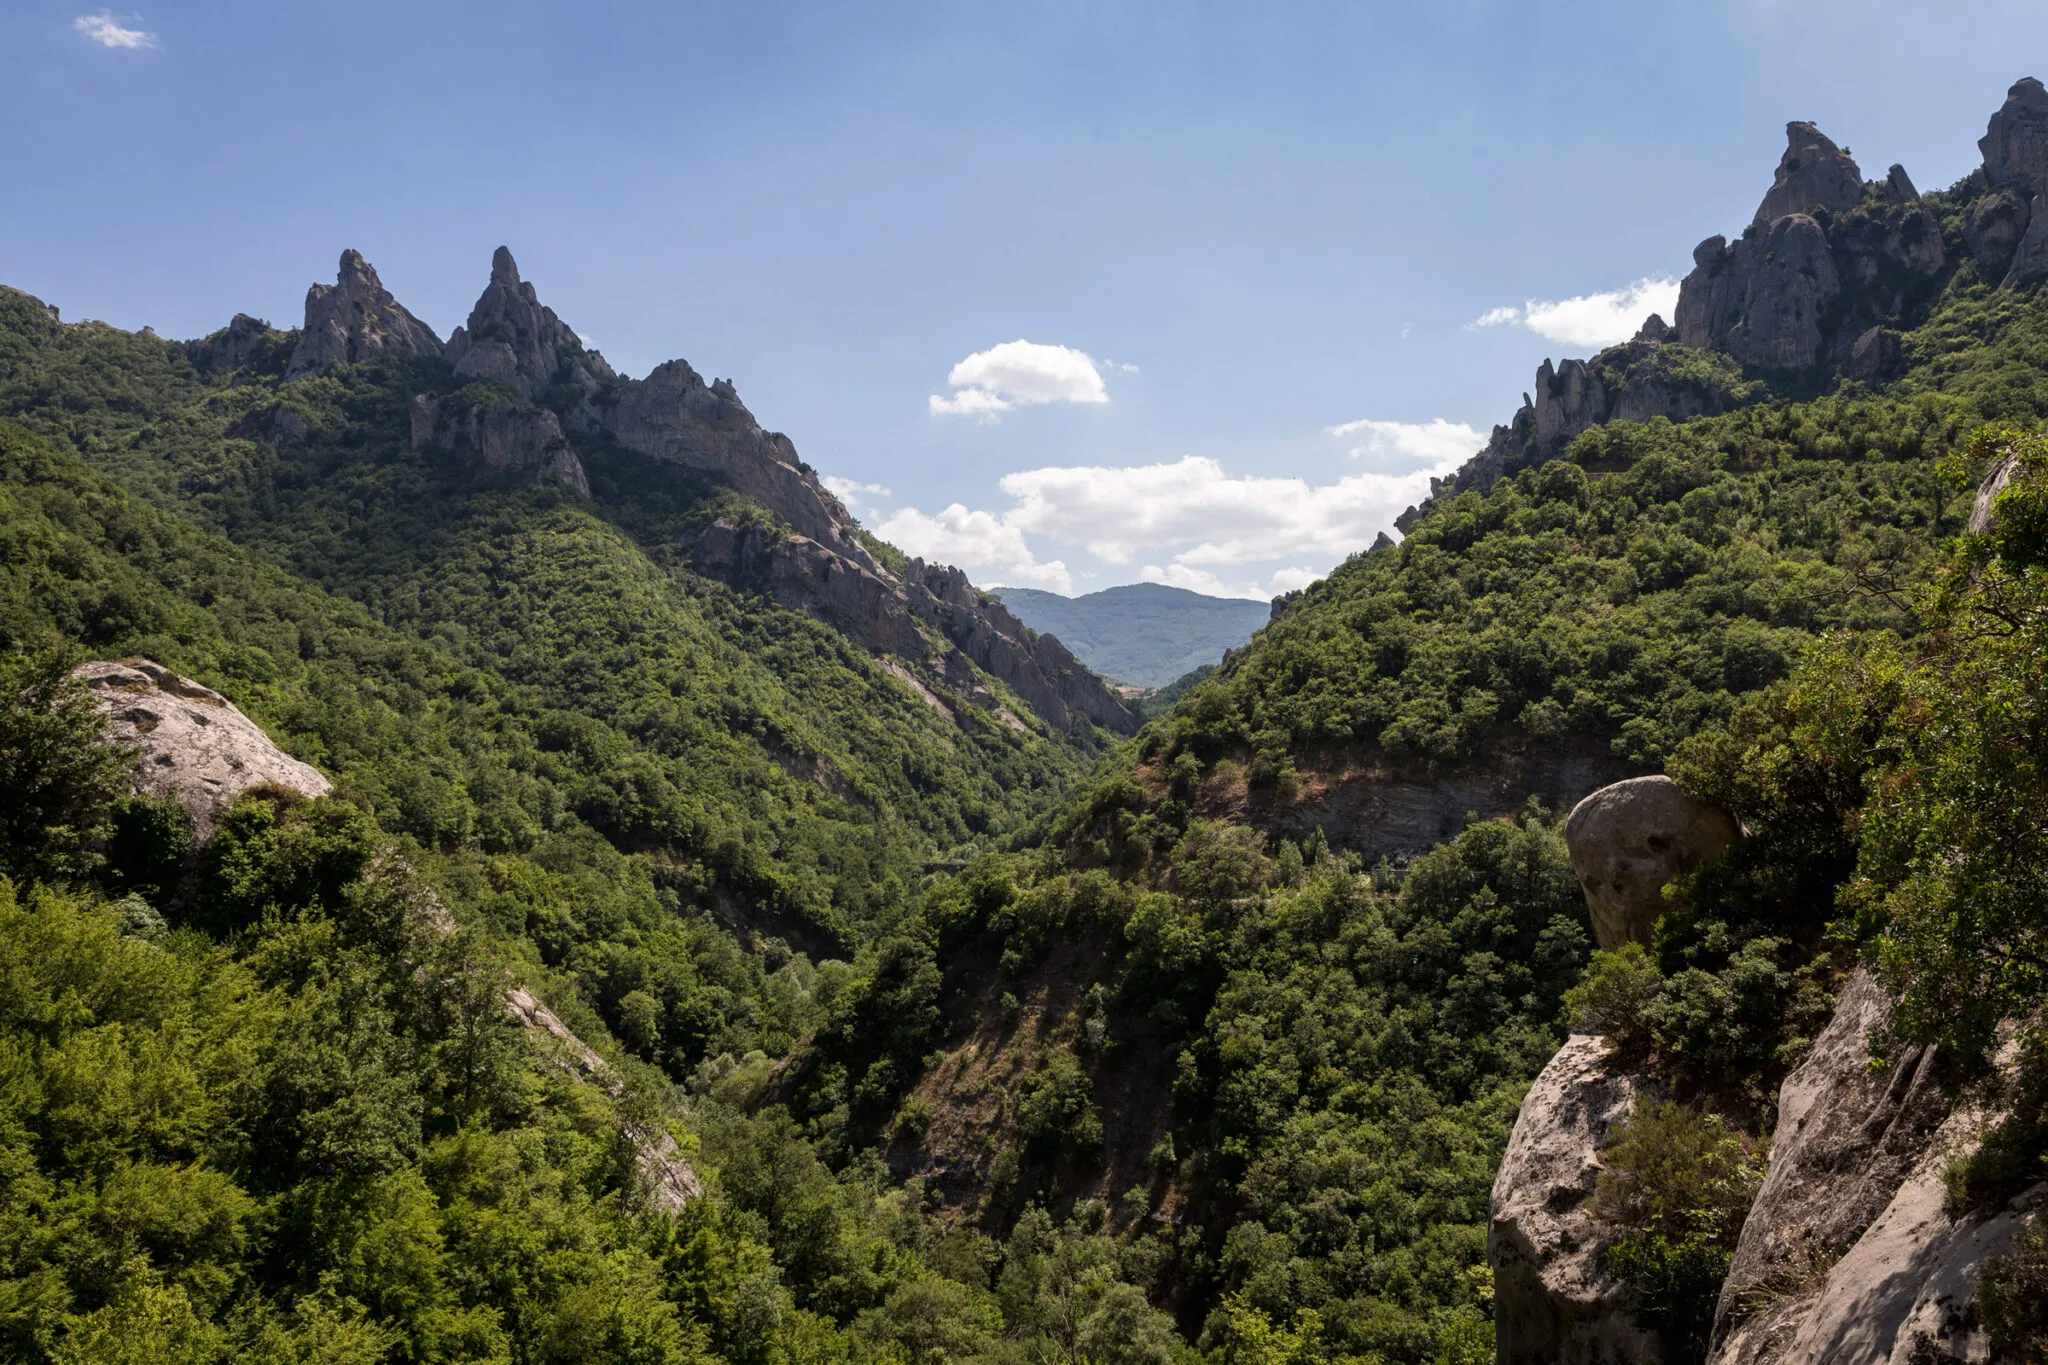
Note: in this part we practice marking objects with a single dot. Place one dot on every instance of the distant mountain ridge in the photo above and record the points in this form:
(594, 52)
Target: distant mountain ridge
(1140, 634)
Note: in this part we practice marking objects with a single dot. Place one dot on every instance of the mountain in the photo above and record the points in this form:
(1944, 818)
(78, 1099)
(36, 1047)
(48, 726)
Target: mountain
(1140, 634)
(1273, 993)
(496, 866)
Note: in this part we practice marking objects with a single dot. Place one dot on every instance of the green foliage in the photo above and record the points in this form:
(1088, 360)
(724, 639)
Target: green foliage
(1678, 1183)
(57, 787)
(2012, 1298)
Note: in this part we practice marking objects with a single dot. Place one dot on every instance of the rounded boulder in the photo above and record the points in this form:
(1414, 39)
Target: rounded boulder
(1629, 839)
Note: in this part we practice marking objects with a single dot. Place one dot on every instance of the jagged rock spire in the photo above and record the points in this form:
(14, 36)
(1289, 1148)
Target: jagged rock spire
(2015, 144)
(353, 319)
(1813, 174)
(517, 341)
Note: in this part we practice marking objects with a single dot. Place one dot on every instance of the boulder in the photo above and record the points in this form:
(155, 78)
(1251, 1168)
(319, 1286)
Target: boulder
(1851, 1254)
(1898, 186)
(191, 742)
(1812, 174)
(1554, 1303)
(1627, 840)
(353, 319)
(2015, 143)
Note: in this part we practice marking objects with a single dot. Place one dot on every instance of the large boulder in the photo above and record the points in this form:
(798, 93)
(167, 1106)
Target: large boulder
(1813, 174)
(1851, 1254)
(354, 319)
(1554, 1302)
(1762, 299)
(1627, 840)
(190, 741)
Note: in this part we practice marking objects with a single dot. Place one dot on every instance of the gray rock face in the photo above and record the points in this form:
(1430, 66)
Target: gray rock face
(191, 742)
(1898, 186)
(2015, 143)
(1553, 1301)
(513, 339)
(1850, 1255)
(353, 319)
(1813, 174)
(234, 347)
(1568, 400)
(1993, 231)
(1627, 840)
(1983, 509)
(1762, 299)
(515, 438)
(2030, 257)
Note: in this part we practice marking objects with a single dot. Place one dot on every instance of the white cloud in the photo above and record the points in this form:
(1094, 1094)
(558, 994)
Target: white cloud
(1205, 516)
(1434, 442)
(992, 551)
(1017, 374)
(102, 28)
(1287, 580)
(1595, 320)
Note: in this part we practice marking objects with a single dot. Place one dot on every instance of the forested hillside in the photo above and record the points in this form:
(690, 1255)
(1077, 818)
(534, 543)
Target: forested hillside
(990, 1037)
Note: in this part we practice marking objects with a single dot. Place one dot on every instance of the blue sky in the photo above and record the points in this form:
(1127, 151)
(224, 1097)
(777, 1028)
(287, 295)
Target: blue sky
(1247, 244)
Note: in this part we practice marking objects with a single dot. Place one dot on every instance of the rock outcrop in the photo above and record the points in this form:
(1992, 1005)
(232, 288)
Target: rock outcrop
(2015, 143)
(1813, 174)
(1851, 1254)
(1763, 299)
(244, 342)
(1554, 1301)
(1629, 839)
(191, 742)
(354, 319)
(883, 612)
(515, 340)
(194, 744)
(514, 438)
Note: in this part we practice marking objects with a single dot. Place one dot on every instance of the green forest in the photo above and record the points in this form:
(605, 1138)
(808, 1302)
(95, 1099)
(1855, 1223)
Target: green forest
(987, 1042)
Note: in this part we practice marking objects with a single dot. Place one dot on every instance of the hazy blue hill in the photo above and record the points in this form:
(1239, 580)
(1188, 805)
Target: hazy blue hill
(1145, 634)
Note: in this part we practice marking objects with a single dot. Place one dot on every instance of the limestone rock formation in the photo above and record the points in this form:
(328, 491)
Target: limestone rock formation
(1898, 186)
(1554, 1302)
(1983, 508)
(1993, 230)
(1851, 1254)
(673, 415)
(2015, 143)
(1569, 399)
(353, 319)
(191, 742)
(516, 438)
(2030, 257)
(515, 340)
(1813, 174)
(1627, 840)
(237, 346)
(1763, 298)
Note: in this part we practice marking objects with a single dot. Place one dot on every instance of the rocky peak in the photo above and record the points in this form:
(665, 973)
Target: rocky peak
(1813, 174)
(1898, 186)
(2015, 144)
(353, 319)
(514, 339)
(234, 347)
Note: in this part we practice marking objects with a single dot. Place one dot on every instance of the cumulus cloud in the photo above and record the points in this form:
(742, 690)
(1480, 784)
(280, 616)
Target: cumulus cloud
(1595, 320)
(1435, 442)
(1018, 374)
(993, 552)
(1203, 515)
(102, 28)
